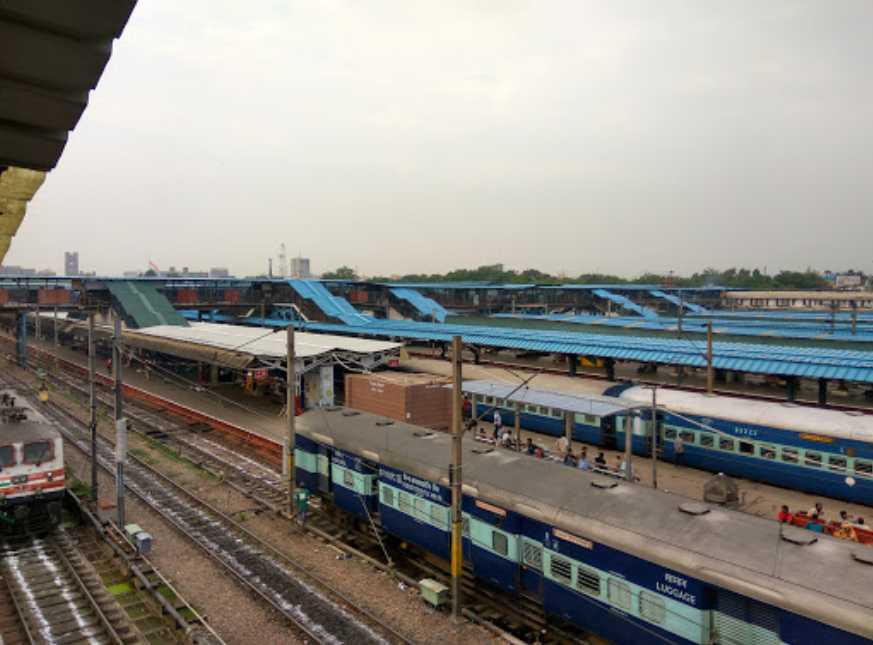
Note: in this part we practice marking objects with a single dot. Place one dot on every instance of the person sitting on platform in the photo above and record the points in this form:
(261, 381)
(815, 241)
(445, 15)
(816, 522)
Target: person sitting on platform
(814, 524)
(569, 459)
(817, 510)
(530, 448)
(785, 515)
(600, 462)
(583, 463)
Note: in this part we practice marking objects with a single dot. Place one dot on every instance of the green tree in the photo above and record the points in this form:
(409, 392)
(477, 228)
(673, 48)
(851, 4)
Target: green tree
(343, 273)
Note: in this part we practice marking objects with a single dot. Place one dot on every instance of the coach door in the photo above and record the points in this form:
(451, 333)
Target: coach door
(531, 568)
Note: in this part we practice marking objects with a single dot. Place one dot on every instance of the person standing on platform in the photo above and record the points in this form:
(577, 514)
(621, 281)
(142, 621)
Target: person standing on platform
(498, 423)
(678, 449)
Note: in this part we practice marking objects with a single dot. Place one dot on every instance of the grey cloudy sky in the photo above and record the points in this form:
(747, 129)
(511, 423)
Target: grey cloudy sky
(423, 136)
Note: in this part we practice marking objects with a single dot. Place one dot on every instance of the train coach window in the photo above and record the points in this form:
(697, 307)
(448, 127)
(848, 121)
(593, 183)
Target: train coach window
(403, 504)
(767, 452)
(863, 467)
(687, 437)
(499, 543)
(422, 512)
(439, 515)
(619, 593)
(348, 479)
(790, 456)
(726, 444)
(669, 433)
(387, 496)
(706, 440)
(747, 448)
(561, 570)
(7, 456)
(652, 607)
(37, 452)
(532, 554)
(587, 580)
(837, 464)
(812, 459)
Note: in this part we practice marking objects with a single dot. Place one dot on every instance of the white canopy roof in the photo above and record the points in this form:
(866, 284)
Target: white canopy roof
(263, 343)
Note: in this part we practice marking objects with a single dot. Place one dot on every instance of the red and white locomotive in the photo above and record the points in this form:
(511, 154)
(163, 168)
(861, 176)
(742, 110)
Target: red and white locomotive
(31, 465)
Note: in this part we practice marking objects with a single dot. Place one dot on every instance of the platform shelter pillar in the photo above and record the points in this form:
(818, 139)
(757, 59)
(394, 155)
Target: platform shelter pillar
(572, 362)
(823, 391)
(791, 388)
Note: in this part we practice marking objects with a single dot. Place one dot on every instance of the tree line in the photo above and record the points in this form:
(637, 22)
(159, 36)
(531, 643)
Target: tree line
(497, 274)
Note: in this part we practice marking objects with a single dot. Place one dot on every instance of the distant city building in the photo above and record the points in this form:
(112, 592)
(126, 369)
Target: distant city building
(16, 270)
(849, 281)
(219, 272)
(71, 263)
(300, 268)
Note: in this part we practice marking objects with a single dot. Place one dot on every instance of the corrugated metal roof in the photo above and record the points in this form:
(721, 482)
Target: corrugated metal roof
(598, 405)
(811, 362)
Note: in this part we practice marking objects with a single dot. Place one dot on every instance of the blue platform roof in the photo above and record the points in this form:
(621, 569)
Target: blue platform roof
(808, 362)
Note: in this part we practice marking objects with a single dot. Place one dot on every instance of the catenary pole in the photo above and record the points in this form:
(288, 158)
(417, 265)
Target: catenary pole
(654, 437)
(455, 476)
(92, 405)
(290, 409)
(120, 430)
(710, 375)
(628, 445)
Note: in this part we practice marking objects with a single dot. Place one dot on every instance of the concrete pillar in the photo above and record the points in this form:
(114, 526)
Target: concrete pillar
(791, 388)
(822, 391)
(571, 364)
(609, 364)
(568, 427)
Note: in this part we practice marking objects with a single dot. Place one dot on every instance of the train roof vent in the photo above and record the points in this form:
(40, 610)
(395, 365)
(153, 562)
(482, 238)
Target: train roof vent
(694, 508)
(604, 483)
(864, 554)
(351, 413)
(384, 422)
(799, 536)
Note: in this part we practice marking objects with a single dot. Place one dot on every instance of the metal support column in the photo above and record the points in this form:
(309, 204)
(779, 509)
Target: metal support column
(654, 437)
(120, 431)
(517, 419)
(791, 388)
(456, 477)
(568, 428)
(609, 364)
(628, 445)
(290, 410)
(92, 405)
(823, 391)
(571, 364)
(710, 373)
(21, 339)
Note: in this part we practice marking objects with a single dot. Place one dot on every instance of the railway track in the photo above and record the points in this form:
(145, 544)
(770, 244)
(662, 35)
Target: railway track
(54, 596)
(319, 612)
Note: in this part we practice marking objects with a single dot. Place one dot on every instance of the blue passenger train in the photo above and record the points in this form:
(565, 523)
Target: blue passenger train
(631, 564)
(816, 450)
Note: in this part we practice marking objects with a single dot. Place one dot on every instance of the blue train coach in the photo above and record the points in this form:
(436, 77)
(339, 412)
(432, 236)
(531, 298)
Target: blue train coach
(631, 564)
(821, 451)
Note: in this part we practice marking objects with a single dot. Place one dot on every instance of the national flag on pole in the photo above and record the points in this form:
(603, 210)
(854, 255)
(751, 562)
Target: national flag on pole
(153, 266)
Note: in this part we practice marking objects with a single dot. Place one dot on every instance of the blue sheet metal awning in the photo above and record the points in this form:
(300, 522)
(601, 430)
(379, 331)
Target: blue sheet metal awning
(600, 406)
(778, 360)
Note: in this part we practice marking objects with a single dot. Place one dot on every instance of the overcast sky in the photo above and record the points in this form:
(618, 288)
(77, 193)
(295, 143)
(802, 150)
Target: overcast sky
(407, 136)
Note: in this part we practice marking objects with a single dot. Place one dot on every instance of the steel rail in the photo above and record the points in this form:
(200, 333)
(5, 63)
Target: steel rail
(210, 549)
